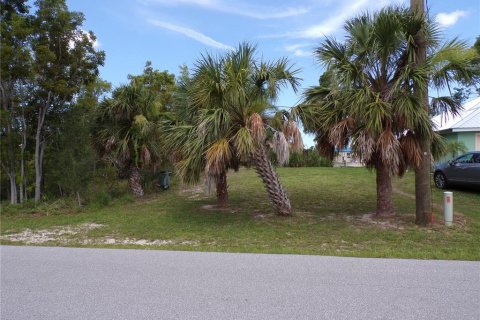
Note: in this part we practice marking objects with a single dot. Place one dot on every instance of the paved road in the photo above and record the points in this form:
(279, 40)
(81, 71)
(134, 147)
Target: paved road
(67, 283)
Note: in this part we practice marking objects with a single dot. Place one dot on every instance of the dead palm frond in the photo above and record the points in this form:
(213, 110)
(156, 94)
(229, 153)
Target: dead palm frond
(257, 127)
(281, 148)
(293, 136)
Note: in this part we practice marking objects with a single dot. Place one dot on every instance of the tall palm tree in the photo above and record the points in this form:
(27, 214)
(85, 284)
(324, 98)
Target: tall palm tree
(229, 100)
(128, 132)
(366, 96)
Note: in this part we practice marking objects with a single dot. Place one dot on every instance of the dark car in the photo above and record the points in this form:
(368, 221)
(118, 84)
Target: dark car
(464, 169)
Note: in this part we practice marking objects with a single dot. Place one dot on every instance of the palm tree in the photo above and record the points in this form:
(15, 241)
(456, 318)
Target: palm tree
(229, 100)
(366, 96)
(454, 148)
(128, 133)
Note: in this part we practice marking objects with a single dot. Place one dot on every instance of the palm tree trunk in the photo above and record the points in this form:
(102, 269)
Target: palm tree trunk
(275, 191)
(384, 191)
(135, 181)
(222, 189)
(423, 194)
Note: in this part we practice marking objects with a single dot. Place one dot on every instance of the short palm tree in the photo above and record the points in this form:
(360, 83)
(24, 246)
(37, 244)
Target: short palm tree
(229, 101)
(453, 148)
(366, 98)
(128, 132)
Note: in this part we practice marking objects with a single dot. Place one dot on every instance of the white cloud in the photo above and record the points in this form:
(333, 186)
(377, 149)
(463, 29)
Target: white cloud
(299, 51)
(302, 53)
(449, 19)
(337, 19)
(195, 35)
(236, 7)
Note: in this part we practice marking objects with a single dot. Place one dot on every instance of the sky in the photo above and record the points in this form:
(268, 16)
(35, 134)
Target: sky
(171, 33)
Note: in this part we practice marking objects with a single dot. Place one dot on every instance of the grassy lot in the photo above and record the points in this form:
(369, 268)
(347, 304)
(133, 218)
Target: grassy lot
(331, 218)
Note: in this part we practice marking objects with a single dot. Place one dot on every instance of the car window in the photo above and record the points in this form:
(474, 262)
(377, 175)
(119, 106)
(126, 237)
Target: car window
(476, 158)
(465, 159)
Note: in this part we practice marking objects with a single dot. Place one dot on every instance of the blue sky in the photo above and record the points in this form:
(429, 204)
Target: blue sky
(174, 32)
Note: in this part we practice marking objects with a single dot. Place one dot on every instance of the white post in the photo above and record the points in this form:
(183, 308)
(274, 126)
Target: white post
(448, 207)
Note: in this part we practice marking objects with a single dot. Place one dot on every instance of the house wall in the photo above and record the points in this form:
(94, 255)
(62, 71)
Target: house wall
(470, 139)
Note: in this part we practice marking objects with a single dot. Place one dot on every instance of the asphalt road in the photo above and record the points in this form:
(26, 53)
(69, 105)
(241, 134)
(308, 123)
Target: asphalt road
(68, 283)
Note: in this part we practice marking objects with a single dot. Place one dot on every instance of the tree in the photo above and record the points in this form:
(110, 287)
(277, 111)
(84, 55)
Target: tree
(128, 131)
(423, 193)
(368, 100)
(226, 103)
(463, 92)
(64, 61)
(454, 148)
(15, 71)
(70, 160)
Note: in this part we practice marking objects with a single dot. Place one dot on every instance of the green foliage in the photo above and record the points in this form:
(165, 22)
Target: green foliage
(463, 92)
(127, 129)
(218, 102)
(65, 58)
(366, 96)
(455, 148)
(48, 62)
(101, 200)
(162, 83)
(309, 158)
(128, 132)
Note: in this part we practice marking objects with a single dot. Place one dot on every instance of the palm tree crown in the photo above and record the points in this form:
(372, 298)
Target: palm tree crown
(230, 99)
(366, 98)
(128, 131)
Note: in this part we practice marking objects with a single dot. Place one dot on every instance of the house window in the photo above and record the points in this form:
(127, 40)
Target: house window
(477, 147)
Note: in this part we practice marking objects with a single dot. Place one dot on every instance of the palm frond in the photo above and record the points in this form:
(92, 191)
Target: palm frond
(217, 156)
(257, 127)
(244, 143)
(281, 148)
(293, 136)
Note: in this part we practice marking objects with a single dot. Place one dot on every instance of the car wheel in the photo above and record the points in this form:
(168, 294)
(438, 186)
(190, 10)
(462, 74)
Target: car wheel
(440, 180)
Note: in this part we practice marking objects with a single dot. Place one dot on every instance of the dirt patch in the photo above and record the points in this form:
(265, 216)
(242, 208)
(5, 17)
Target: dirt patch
(194, 193)
(389, 222)
(77, 235)
(214, 207)
(138, 242)
(402, 222)
(37, 214)
(62, 234)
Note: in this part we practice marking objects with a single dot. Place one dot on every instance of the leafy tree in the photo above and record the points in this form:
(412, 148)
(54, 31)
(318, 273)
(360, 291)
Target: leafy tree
(70, 161)
(162, 83)
(64, 61)
(16, 33)
(370, 101)
(226, 103)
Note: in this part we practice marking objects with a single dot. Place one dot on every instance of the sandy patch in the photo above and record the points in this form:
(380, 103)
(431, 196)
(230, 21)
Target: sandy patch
(61, 234)
(194, 193)
(78, 235)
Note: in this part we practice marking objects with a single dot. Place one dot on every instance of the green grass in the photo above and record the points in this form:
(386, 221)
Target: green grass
(329, 204)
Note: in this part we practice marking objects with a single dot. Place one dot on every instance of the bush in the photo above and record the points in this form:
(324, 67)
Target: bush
(102, 199)
(308, 158)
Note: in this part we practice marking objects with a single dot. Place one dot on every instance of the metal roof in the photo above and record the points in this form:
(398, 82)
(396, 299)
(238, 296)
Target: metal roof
(467, 120)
